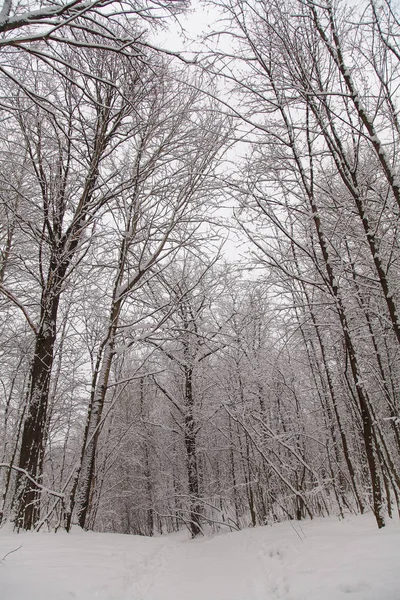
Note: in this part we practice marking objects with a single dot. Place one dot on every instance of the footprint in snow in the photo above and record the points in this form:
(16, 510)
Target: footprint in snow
(275, 553)
(275, 578)
(352, 588)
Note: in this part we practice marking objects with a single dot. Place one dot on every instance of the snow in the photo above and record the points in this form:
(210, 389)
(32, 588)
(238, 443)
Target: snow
(325, 559)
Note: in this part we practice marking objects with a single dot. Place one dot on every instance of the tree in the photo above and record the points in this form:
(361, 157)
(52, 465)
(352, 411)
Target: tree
(175, 155)
(314, 134)
(72, 185)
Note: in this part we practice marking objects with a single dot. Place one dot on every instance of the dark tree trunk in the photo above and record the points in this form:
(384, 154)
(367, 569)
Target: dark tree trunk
(233, 474)
(33, 441)
(191, 456)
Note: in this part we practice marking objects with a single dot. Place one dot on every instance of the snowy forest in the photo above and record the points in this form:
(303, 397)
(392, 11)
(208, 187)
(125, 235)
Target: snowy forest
(199, 264)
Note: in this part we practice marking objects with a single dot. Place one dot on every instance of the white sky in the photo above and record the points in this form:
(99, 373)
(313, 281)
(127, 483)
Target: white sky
(185, 36)
(197, 21)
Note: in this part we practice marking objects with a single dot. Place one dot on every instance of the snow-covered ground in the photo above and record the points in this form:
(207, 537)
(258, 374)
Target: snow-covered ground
(320, 560)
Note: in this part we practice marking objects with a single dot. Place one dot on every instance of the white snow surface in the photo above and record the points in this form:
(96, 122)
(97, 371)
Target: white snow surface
(323, 559)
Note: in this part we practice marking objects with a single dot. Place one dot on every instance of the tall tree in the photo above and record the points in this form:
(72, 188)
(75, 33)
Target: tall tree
(67, 161)
(172, 165)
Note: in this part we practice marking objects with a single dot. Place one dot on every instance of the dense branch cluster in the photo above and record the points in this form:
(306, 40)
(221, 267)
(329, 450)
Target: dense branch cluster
(148, 382)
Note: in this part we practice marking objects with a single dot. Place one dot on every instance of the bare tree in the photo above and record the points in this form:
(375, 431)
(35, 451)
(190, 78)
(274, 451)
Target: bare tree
(314, 133)
(67, 161)
(176, 153)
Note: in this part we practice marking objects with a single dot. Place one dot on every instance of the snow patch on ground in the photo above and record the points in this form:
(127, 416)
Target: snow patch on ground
(324, 559)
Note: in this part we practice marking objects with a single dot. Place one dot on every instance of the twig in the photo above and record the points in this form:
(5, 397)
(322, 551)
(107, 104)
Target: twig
(3, 560)
(36, 483)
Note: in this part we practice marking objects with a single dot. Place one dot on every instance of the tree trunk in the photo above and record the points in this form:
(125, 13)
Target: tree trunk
(191, 455)
(33, 442)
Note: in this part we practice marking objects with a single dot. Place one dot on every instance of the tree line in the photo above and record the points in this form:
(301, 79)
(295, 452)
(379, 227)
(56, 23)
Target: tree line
(148, 382)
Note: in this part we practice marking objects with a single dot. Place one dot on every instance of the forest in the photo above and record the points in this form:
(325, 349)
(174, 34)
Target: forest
(199, 264)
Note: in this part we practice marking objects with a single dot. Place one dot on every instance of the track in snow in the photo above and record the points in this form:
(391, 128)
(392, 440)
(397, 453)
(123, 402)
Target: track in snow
(322, 560)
